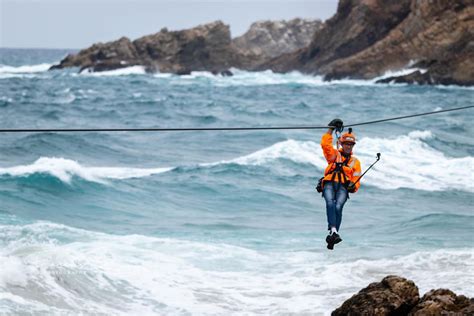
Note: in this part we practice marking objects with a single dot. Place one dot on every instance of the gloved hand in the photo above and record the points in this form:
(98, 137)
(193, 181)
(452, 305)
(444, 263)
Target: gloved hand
(351, 187)
(336, 123)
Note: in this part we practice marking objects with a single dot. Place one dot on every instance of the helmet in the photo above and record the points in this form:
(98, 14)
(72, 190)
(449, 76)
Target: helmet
(347, 138)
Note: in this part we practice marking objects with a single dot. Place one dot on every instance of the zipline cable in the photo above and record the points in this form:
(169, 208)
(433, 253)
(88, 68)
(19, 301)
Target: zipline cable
(65, 130)
(408, 116)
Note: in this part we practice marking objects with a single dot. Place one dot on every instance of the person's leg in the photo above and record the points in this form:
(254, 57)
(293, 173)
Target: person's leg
(341, 198)
(330, 197)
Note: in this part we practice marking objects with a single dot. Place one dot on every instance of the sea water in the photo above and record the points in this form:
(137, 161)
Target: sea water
(221, 222)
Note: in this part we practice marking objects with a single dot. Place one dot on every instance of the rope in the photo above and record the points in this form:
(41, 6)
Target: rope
(65, 130)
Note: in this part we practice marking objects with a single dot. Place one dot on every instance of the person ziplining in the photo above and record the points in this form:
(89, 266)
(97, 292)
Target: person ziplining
(341, 176)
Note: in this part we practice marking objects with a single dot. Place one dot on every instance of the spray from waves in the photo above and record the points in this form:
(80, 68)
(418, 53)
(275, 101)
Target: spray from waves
(268, 77)
(133, 70)
(262, 78)
(65, 169)
(407, 162)
(89, 272)
(24, 69)
(402, 72)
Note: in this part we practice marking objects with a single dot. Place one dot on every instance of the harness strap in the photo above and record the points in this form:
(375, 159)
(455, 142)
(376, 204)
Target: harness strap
(338, 169)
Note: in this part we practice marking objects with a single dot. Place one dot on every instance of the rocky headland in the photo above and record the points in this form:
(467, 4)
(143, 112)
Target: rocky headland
(363, 40)
(207, 47)
(397, 296)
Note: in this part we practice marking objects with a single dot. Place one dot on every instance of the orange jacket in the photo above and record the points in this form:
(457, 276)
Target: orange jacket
(352, 169)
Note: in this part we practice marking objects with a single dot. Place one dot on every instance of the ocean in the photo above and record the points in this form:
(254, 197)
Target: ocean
(221, 222)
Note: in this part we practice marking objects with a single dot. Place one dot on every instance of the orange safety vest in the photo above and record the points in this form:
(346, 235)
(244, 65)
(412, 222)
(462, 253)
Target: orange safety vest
(339, 169)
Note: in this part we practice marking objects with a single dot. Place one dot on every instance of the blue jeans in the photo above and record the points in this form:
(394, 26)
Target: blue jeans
(335, 195)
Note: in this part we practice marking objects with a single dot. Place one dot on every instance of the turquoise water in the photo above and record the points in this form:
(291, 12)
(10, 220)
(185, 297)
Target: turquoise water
(221, 222)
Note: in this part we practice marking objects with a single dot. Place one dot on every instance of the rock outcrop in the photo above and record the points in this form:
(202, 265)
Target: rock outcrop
(398, 296)
(392, 296)
(367, 38)
(206, 47)
(442, 301)
(103, 56)
(268, 39)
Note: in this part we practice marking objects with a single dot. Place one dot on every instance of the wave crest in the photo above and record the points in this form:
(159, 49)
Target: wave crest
(65, 169)
(407, 162)
(133, 70)
(4, 69)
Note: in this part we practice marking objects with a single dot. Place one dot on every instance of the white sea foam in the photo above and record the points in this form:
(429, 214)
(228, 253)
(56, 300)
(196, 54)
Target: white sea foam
(4, 69)
(268, 77)
(136, 274)
(133, 70)
(26, 71)
(64, 169)
(246, 78)
(400, 72)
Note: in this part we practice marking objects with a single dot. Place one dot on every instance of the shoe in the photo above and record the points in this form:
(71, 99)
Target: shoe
(333, 239)
(336, 238)
(330, 241)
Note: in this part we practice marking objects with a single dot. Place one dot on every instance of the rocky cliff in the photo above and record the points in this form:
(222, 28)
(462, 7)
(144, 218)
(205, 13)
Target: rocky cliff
(398, 296)
(363, 40)
(206, 47)
(367, 38)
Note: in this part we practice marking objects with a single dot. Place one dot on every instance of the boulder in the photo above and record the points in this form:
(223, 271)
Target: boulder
(415, 77)
(392, 296)
(443, 302)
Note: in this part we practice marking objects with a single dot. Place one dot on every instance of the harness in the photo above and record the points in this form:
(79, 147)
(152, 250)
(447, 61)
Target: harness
(339, 170)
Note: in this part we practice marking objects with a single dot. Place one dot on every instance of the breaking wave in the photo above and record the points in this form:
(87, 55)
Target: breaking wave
(65, 169)
(134, 70)
(24, 69)
(407, 162)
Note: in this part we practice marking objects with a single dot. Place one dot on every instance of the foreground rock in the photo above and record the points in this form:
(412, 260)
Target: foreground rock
(392, 296)
(367, 38)
(204, 48)
(439, 302)
(398, 296)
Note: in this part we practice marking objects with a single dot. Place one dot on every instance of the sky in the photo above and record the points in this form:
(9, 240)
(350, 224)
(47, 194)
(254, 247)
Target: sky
(80, 23)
